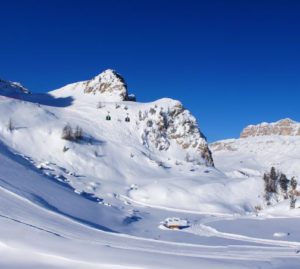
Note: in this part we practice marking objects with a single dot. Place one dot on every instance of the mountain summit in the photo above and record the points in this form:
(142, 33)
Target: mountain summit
(108, 86)
(108, 82)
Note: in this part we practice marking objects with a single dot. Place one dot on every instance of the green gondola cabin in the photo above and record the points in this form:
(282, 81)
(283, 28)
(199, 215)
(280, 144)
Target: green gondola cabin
(127, 119)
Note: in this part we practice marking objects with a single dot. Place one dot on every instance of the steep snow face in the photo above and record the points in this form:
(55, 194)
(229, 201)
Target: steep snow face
(285, 127)
(12, 89)
(109, 86)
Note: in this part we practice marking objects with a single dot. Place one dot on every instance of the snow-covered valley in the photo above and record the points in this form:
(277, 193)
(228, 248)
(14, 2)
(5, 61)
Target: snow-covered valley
(88, 175)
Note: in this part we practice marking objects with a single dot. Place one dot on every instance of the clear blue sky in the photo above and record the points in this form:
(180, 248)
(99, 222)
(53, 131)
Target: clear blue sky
(232, 63)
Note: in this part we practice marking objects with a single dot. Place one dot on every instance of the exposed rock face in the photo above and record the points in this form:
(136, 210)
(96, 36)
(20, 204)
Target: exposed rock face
(286, 127)
(171, 123)
(108, 86)
(219, 146)
(108, 82)
(10, 88)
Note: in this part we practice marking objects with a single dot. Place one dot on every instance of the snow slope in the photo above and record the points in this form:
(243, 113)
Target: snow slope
(256, 155)
(98, 202)
(44, 224)
(261, 147)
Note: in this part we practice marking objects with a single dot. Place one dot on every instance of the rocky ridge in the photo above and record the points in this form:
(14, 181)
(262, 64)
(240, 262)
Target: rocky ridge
(10, 88)
(163, 125)
(285, 127)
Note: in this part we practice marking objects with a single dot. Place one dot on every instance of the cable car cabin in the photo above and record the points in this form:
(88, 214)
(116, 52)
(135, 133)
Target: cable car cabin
(127, 119)
(108, 117)
(176, 223)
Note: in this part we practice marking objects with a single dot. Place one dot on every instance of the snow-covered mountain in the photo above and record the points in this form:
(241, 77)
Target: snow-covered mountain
(108, 86)
(160, 124)
(88, 176)
(161, 140)
(259, 148)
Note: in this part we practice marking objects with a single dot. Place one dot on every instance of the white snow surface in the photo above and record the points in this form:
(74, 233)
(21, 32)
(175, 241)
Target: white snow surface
(98, 202)
(256, 155)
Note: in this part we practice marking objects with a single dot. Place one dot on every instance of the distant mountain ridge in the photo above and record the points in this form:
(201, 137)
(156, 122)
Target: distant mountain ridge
(11, 88)
(286, 127)
(259, 148)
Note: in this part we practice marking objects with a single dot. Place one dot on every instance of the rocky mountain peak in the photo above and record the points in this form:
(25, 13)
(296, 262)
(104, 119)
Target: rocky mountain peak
(285, 127)
(108, 82)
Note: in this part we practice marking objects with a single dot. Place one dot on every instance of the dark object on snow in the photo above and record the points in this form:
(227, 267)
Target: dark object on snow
(108, 117)
(131, 219)
(78, 134)
(127, 119)
(67, 133)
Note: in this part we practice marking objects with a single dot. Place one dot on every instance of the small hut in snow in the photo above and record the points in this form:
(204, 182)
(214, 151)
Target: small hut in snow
(176, 223)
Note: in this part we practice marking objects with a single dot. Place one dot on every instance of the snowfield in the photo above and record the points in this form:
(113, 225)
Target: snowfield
(99, 201)
(255, 155)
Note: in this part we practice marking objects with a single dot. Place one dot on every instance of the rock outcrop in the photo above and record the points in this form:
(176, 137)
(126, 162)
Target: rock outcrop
(168, 122)
(285, 127)
(223, 145)
(108, 82)
(11, 88)
(108, 86)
